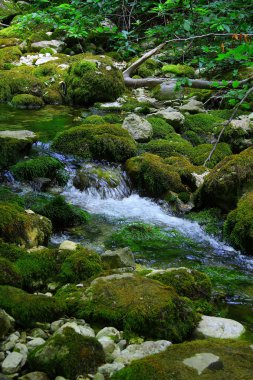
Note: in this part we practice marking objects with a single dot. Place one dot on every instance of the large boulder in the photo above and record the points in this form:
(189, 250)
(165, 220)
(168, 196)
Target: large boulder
(13, 362)
(227, 182)
(204, 359)
(14, 145)
(120, 258)
(57, 45)
(139, 305)
(193, 106)
(140, 129)
(222, 328)
(67, 354)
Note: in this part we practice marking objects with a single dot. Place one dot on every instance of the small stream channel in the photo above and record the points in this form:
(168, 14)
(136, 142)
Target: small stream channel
(114, 207)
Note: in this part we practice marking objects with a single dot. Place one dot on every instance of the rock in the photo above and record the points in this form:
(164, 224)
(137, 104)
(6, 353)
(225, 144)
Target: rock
(43, 60)
(167, 91)
(35, 376)
(35, 343)
(140, 129)
(56, 325)
(6, 323)
(2, 357)
(175, 118)
(84, 330)
(68, 245)
(139, 351)
(199, 178)
(9, 344)
(39, 333)
(110, 332)
(201, 361)
(222, 328)
(13, 363)
(19, 135)
(193, 106)
(54, 44)
(111, 349)
(21, 348)
(119, 258)
(110, 368)
(99, 376)
(8, 8)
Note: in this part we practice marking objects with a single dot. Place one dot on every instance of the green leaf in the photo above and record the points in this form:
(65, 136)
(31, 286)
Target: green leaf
(235, 84)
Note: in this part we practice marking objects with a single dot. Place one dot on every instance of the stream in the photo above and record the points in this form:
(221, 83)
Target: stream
(117, 206)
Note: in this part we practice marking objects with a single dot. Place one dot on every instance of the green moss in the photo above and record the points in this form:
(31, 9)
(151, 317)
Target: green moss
(204, 125)
(7, 42)
(80, 266)
(8, 9)
(11, 251)
(12, 31)
(179, 70)
(94, 119)
(26, 101)
(90, 81)
(199, 154)
(210, 220)
(173, 144)
(61, 213)
(27, 309)
(151, 174)
(68, 354)
(112, 118)
(187, 282)
(9, 55)
(8, 273)
(199, 94)
(43, 166)
(140, 306)
(12, 149)
(52, 97)
(228, 181)
(103, 142)
(6, 195)
(70, 295)
(149, 68)
(161, 129)
(238, 228)
(235, 362)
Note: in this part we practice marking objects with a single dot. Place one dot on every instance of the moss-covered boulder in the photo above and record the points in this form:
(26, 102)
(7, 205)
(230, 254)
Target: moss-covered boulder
(139, 305)
(27, 101)
(11, 252)
(9, 55)
(199, 154)
(27, 309)
(228, 181)
(58, 210)
(93, 79)
(80, 265)
(179, 70)
(67, 354)
(173, 144)
(204, 359)
(161, 129)
(40, 167)
(24, 228)
(9, 275)
(187, 282)
(8, 9)
(102, 142)
(14, 145)
(238, 228)
(151, 174)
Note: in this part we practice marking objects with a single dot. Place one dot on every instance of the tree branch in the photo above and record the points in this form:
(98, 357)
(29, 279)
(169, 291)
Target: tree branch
(226, 124)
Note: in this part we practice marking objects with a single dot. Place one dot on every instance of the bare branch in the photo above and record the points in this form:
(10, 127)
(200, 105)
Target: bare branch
(227, 123)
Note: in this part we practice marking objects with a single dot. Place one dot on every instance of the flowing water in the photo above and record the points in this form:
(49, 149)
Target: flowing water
(108, 197)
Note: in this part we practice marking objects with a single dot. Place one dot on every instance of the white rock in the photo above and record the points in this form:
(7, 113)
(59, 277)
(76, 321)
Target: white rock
(175, 118)
(201, 361)
(110, 368)
(19, 135)
(45, 59)
(199, 178)
(56, 325)
(140, 129)
(215, 327)
(138, 351)
(120, 258)
(13, 363)
(110, 348)
(193, 106)
(84, 330)
(35, 343)
(21, 348)
(110, 332)
(53, 44)
(10, 342)
(68, 245)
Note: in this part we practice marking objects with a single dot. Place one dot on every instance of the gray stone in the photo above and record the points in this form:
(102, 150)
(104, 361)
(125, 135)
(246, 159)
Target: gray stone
(21, 348)
(140, 129)
(110, 368)
(175, 118)
(139, 351)
(110, 332)
(193, 106)
(39, 333)
(84, 330)
(110, 348)
(35, 376)
(56, 325)
(19, 135)
(43, 60)
(13, 363)
(34, 343)
(53, 44)
(2, 356)
(201, 361)
(99, 376)
(10, 342)
(119, 258)
(215, 327)
(68, 245)
(6, 323)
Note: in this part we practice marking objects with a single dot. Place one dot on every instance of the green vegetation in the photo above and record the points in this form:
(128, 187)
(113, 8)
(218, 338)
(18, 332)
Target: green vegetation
(102, 142)
(8, 273)
(161, 129)
(26, 101)
(179, 70)
(210, 220)
(173, 145)
(199, 154)
(12, 149)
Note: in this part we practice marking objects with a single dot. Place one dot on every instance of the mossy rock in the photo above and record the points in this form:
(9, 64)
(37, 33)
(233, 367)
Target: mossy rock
(200, 94)
(67, 354)
(26, 101)
(233, 360)
(94, 119)
(14, 147)
(28, 309)
(238, 228)
(149, 68)
(203, 126)
(40, 167)
(200, 153)
(174, 144)
(52, 97)
(7, 195)
(102, 142)
(210, 220)
(58, 210)
(17, 226)
(9, 55)
(151, 174)
(161, 129)
(93, 79)
(187, 282)
(139, 306)
(11, 251)
(227, 182)
(8, 9)
(7, 42)
(179, 70)
(80, 265)
(9, 275)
